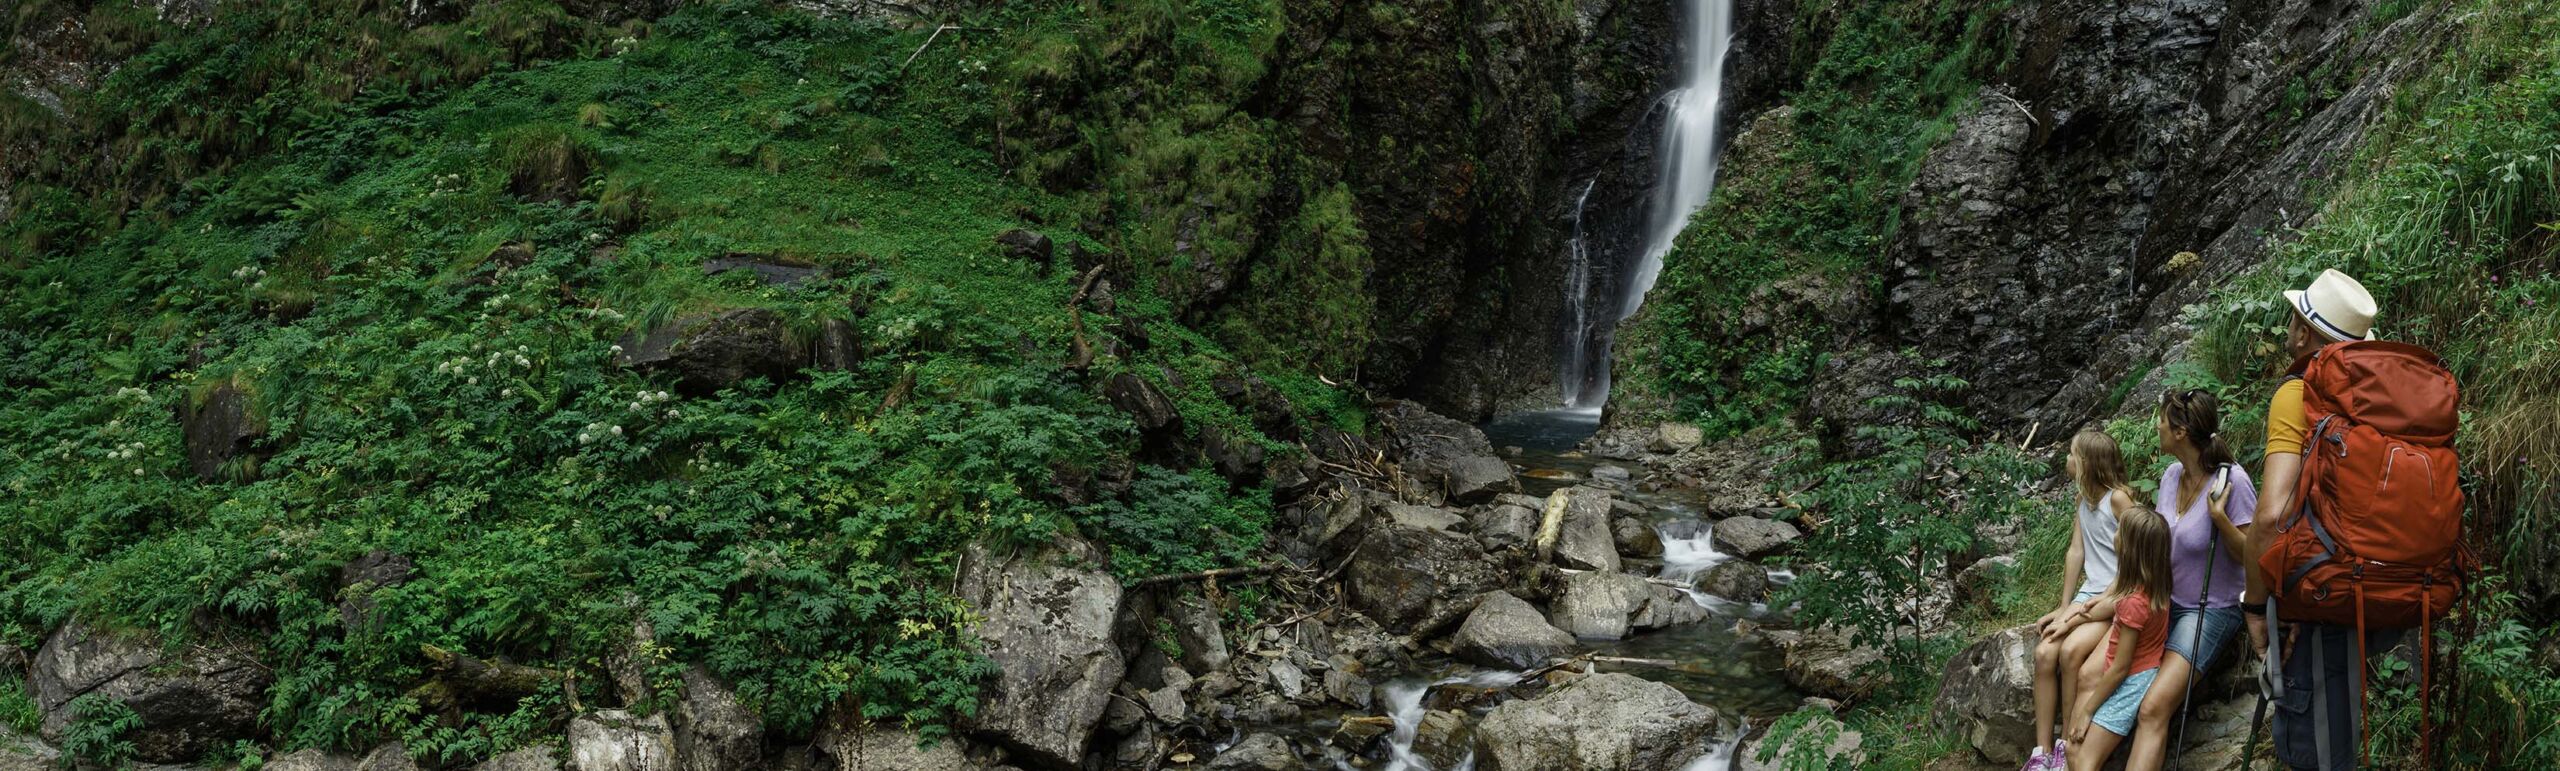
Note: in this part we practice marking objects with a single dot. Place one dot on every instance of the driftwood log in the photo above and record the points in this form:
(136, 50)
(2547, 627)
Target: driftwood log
(457, 680)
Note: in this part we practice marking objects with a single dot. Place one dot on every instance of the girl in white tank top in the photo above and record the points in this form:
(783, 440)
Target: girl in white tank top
(2096, 469)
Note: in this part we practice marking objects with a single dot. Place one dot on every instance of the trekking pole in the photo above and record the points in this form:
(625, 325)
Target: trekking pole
(2212, 556)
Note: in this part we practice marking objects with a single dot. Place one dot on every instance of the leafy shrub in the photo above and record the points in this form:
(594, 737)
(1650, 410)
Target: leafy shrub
(96, 736)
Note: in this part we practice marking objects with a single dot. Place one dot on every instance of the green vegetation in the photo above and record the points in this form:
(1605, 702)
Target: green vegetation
(417, 274)
(1889, 81)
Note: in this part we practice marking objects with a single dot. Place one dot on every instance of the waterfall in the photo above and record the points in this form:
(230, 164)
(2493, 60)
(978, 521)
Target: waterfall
(1681, 184)
(1688, 144)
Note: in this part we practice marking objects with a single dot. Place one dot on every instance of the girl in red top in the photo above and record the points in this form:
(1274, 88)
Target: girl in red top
(2113, 683)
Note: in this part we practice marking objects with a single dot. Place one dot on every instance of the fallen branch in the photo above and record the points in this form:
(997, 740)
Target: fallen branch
(937, 35)
(1551, 525)
(1533, 675)
(1217, 573)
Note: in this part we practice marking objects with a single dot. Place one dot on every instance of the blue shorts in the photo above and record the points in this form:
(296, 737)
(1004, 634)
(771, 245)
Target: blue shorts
(2117, 713)
(2199, 635)
(2085, 596)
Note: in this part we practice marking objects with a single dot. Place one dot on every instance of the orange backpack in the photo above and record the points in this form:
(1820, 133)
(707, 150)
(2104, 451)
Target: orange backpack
(2375, 540)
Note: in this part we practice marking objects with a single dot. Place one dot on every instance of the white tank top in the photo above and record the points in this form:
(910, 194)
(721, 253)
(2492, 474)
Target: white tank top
(2098, 544)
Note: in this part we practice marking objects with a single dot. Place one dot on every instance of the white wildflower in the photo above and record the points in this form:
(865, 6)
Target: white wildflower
(617, 430)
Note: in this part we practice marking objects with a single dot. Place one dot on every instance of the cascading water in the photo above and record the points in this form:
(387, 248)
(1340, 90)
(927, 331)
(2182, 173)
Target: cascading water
(1686, 177)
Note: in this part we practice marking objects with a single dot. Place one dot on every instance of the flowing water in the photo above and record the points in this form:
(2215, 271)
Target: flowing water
(1710, 661)
(1682, 183)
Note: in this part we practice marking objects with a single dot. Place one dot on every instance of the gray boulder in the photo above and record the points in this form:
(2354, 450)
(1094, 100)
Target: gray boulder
(1665, 607)
(1676, 437)
(1635, 538)
(616, 740)
(1583, 540)
(853, 744)
(1409, 515)
(389, 757)
(1736, 580)
(1197, 628)
(206, 698)
(1609, 605)
(1506, 632)
(1824, 740)
(1824, 662)
(305, 760)
(219, 426)
(21, 753)
(1259, 752)
(1753, 537)
(713, 731)
(1402, 575)
(1606, 721)
(539, 757)
(1444, 738)
(1477, 478)
(1987, 695)
(1506, 526)
(1047, 629)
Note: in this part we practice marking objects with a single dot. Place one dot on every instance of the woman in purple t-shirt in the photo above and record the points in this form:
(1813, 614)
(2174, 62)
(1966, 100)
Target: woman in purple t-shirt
(2200, 497)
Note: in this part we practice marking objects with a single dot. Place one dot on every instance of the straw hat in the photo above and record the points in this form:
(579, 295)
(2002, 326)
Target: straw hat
(2336, 305)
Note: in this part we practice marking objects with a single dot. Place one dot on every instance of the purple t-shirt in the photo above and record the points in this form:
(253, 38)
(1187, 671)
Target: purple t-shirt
(2191, 540)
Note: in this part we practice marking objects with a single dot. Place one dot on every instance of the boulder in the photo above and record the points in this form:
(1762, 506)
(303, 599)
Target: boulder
(389, 757)
(1144, 403)
(1736, 580)
(205, 699)
(1987, 695)
(1824, 740)
(1506, 526)
(1402, 575)
(219, 426)
(1047, 629)
(1196, 627)
(710, 351)
(1753, 537)
(1506, 632)
(1605, 721)
(1259, 752)
(1583, 540)
(1635, 538)
(1477, 478)
(766, 269)
(1676, 437)
(1028, 246)
(1409, 515)
(1664, 608)
(839, 347)
(1601, 605)
(1978, 585)
(305, 760)
(361, 577)
(1611, 474)
(1444, 738)
(539, 757)
(713, 731)
(616, 740)
(1824, 662)
(853, 744)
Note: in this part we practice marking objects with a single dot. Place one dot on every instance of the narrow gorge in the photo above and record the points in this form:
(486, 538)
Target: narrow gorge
(1407, 385)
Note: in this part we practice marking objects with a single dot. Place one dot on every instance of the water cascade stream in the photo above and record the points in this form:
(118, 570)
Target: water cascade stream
(1686, 176)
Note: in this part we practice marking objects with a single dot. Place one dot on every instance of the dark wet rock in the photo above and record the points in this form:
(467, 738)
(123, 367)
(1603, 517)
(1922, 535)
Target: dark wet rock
(1143, 402)
(1824, 737)
(839, 346)
(616, 740)
(1506, 632)
(1141, 747)
(1403, 574)
(539, 757)
(1239, 460)
(1583, 540)
(1978, 585)
(206, 698)
(1736, 580)
(360, 578)
(1602, 721)
(1028, 246)
(712, 729)
(1444, 738)
(710, 351)
(219, 426)
(1478, 478)
(770, 270)
(1753, 537)
(1047, 629)
(1635, 537)
(1259, 752)
(1987, 695)
(1506, 526)
(1358, 734)
(1824, 662)
(853, 744)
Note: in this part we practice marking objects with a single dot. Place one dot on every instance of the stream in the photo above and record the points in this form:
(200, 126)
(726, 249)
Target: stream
(1708, 661)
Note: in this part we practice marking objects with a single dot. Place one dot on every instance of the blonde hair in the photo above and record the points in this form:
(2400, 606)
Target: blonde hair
(2100, 467)
(2142, 556)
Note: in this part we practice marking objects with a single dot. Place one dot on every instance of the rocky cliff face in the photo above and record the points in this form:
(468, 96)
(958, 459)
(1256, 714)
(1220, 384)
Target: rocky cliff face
(2040, 246)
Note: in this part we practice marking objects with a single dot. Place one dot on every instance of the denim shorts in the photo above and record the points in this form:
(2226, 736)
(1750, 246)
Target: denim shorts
(2116, 714)
(2218, 626)
(2084, 596)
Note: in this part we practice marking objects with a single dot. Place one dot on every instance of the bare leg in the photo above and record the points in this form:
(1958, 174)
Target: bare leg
(2050, 677)
(2092, 751)
(2159, 714)
(2077, 650)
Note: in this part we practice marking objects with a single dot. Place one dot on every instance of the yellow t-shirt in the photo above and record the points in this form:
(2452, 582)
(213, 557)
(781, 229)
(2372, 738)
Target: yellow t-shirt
(2287, 424)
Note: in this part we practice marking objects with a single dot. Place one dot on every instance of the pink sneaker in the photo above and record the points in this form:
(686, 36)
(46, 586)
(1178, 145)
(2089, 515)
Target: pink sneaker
(2053, 758)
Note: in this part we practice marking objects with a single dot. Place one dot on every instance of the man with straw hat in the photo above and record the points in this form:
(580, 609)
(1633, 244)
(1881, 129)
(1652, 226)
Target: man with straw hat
(2335, 308)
